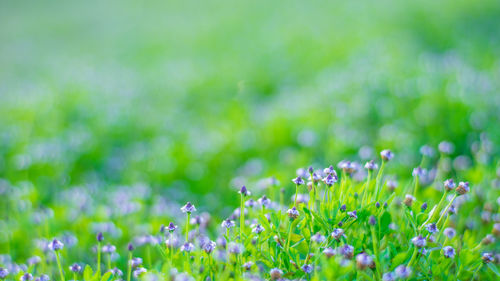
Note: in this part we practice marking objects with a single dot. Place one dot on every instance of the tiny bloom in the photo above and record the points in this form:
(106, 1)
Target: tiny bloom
(130, 247)
(139, 271)
(116, 272)
(353, 214)
(315, 177)
(248, 265)
(427, 151)
(446, 147)
(423, 207)
(75, 268)
(310, 170)
(264, 201)
(330, 171)
(209, 247)
(293, 213)
(135, 262)
(402, 271)
(55, 245)
(462, 188)
(235, 248)
(449, 184)
(377, 204)
(347, 251)
(348, 166)
(298, 181)
(171, 227)
(409, 200)
(329, 252)
(419, 241)
(449, 252)
(227, 223)
(371, 165)
(244, 191)
(389, 276)
(419, 172)
(337, 233)
(258, 229)
(449, 232)
(372, 220)
(188, 208)
(488, 239)
(26, 277)
(496, 229)
(386, 155)
(276, 273)
(431, 227)
(487, 258)
(187, 247)
(99, 237)
(3, 272)
(307, 268)
(107, 249)
(318, 238)
(34, 260)
(391, 185)
(43, 277)
(363, 261)
(343, 208)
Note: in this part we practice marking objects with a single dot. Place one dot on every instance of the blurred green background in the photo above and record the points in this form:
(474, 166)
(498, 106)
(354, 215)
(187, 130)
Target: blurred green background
(192, 97)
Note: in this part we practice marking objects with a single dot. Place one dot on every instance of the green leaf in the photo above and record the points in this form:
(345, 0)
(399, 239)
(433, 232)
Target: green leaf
(87, 273)
(493, 268)
(107, 276)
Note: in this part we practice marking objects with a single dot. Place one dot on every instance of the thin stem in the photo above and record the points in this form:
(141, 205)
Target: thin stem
(171, 248)
(99, 259)
(59, 266)
(446, 210)
(376, 253)
(187, 226)
(367, 188)
(377, 181)
(109, 261)
(413, 257)
(289, 236)
(242, 216)
(296, 192)
(416, 187)
(129, 269)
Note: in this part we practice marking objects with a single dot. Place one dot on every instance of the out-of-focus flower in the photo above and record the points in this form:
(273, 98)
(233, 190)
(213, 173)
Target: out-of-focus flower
(449, 252)
(55, 245)
(188, 208)
(386, 155)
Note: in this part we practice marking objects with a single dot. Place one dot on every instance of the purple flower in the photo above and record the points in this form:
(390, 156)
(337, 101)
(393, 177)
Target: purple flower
(330, 171)
(353, 214)
(462, 188)
(363, 261)
(371, 165)
(298, 181)
(419, 172)
(293, 213)
(446, 147)
(244, 191)
(347, 251)
(108, 249)
(386, 155)
(250, 203)
(75, 268)
(432, 228)
(427, 151)
(343, 208)
(34, 260)
(408, 201)
(171, 227)
(449, 184)
(329, 252)
(372, 220)
(55, 245)
(187, 247)
(139, 271)
(43, 277)
(318, 238)
(258, 229)
(389, 276)
(449, 252)
(449, 232)
(235, 248)
(276, 273)
(248, 265)
(307, 268)
(402, 271)
(116, 272)
(209, 247)
(419, 241)
(337, 233)
(487, 258)
(348, 166)
(227, 223)
(188, 208)
(26, 277)
(135, 262)
(99, 237)
(264, 201)
(423, 207)
(330, 179)
(3, 272)
(130, 247)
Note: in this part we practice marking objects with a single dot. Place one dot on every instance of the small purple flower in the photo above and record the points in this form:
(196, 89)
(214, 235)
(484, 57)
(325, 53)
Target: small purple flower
(348, 166)
(419, 241)
(3, 272)
(423, 207)
(293, 213)
(419, 172)
(377, 205)
(449, 252)
(135, 262)
(116, 272)
(330, 171)
(487, 258)
(449, 232)
(188, 208)
(371, 165)
(276, 273)
(353, 214)
(250, 203)
(227, 223)
(329, 252)
(244, 191)
(34, 260)
(209, 247)
(187, 247)
(402, 271)
(363, 261)
(139, 271)
(347, 251)
(99, 237)
(235, 248)
(449, 184)
(307, 268)
(55, 245)
(130, 247)
(343, 208)
(389, 276)
(446, 147)
(372, 220)
(496, 229)
(318, 238)
(108, 249)
(462, 188)
(258, 229)
(427, 151)
(298, 181)
(386, 155)
(264, 201)
(43, 277)
(75, 268)
(391, 185)
(171, 227)
(26, 277)
(337, 233)
(432, 228)
(330, 179)
(248, 265)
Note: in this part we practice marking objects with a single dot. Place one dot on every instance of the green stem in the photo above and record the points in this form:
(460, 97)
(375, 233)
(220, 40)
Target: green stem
(242, 217)
(446, 210)
(366, 190)
(413, 257)
(99, 259)
(59, 266)
(109, 261)
(187, 226)
(377, 181)
(475, 271)
(436, 211)
(376, 252)
(289, 236)
(296, 192)
(171, 248)
(129, 269)
(416, 187)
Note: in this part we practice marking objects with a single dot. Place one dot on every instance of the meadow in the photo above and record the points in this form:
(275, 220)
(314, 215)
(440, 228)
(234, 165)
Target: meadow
(115, 114)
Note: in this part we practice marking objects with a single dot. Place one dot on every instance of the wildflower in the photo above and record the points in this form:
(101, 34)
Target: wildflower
(363, 261)
(187, 247)
(307, 268)
(431, 227)
(209, 247)
(221, 241)
(227, 223)
(43, 277)
(391, 185)
(116, 272)
(446, 147)
(276, 273)
(258, 229)
(389, 276)
(449, 184)
(419, 241)
(423, 207)
(244, 191)
(419, 172)
(108, 249)
(75, 268)
(347, 251)
(329, 252)
(372, 220)
(371, 165)
(409, 200)
(449, 252)
(343, 208)
(135, 262)
(250, 203)
(348, 166)
(353, 214)
(235, 248)
(377, 205)
(26, 277)
(402, 271)
(171, 227)
(315, 178)
(248, 265)
(99, 237)
(139, 271)
(449, 232)
(264, 201)
(488, 239)
(34, 260)
(188, 208)
(496, 229)
(386, 155)
(427, 151)
(462, 188)
(130, 247)
(330, 171)
(487, 258)
(318, 238)
(298, 180)
(3, 272)
(293, 213)
(337, 233)
(55, 245)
